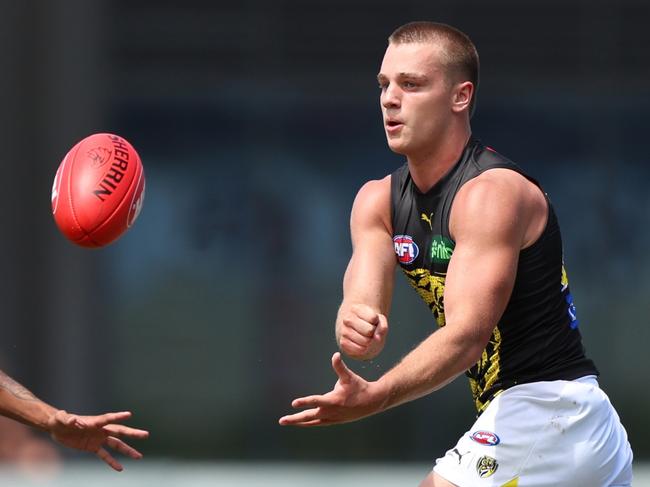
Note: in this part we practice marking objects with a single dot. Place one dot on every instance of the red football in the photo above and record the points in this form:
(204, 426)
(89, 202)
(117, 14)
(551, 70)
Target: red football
(98, 190)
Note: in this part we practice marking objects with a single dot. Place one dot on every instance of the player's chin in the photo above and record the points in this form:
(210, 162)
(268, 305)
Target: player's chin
(396, 144)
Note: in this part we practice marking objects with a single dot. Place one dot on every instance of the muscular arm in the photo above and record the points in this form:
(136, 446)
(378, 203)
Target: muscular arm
(493, 217)
(361, 323)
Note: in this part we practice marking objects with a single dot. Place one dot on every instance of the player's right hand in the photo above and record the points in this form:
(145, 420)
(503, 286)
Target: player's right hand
(352, 398)
(361, 331)
(95, 433)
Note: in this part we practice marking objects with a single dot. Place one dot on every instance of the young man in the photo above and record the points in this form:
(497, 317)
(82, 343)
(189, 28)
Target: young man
(88, 433)
(479, 241)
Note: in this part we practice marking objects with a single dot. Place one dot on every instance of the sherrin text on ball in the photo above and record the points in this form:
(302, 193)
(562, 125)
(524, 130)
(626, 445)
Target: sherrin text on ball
(98, 190)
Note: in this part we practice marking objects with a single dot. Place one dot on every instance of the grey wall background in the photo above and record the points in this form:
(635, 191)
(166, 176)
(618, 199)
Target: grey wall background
(257, 122)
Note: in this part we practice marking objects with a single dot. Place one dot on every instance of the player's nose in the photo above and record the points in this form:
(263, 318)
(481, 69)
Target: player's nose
(390, 97)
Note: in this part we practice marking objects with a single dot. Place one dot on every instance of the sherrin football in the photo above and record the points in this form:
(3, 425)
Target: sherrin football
(98, 190)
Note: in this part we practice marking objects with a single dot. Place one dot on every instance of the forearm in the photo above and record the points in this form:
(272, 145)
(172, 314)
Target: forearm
(435, 362)
(18, 403)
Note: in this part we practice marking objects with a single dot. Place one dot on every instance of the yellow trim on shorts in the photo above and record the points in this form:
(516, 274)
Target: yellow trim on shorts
(512, 483)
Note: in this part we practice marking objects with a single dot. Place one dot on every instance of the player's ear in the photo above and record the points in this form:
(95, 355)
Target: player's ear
(462, 96)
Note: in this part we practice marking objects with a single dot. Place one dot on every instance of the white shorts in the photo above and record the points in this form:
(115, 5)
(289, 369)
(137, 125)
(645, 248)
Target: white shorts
(559, 433)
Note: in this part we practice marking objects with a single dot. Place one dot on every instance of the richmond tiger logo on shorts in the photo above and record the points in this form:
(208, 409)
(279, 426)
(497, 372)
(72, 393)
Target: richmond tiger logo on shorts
(486, 466)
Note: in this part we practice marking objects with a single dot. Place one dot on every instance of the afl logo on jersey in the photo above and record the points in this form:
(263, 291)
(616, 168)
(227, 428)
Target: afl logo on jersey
(486, 438)
(405, 248)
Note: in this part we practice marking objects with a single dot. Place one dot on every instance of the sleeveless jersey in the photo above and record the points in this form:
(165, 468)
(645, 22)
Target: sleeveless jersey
(537, 338)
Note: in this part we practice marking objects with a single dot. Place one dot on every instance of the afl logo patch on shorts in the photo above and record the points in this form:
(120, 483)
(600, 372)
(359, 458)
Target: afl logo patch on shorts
(486, 438)
(405, 248)
(486, 466)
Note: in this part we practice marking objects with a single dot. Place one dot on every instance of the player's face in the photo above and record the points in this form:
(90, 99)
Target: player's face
(416, 98)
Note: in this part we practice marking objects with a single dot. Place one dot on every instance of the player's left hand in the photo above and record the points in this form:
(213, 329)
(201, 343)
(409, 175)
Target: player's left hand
(93, 433)
(352, 398)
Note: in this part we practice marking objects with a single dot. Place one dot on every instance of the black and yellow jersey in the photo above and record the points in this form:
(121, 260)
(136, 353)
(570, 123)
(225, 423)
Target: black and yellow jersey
(537, 338)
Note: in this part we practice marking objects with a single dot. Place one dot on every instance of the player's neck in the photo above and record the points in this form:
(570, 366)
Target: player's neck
(427, 168)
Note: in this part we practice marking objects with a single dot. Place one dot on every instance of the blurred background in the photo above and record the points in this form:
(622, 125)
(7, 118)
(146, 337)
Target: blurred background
(257, 122)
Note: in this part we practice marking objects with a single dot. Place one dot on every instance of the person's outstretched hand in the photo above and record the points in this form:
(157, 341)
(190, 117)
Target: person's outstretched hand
(94, 433)
(352, 398)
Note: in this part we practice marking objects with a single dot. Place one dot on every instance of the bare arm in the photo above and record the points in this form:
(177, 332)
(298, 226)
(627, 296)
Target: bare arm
(361, 323)
(88, 433)
(489, 223)
(16, 402)
(492, 219)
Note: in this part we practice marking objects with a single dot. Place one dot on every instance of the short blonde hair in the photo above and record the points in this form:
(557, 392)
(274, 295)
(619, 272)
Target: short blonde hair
(461, 57)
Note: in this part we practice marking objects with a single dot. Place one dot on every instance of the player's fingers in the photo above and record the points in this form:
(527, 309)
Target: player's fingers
(308, 401)
(352, 349)
(121, 430)
(105, 456)
(123, 448)
(355, 338)
(358, 326)
(345, 376)
(308, 415)
(366, 313)
(382, 327)
(108, 418)
(313, 422)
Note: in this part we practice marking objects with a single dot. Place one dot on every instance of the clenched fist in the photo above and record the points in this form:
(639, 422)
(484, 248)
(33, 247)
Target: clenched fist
(361, 331)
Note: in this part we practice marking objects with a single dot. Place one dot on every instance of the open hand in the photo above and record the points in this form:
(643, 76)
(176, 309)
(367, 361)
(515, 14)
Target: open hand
(94, 433)
(352, 398)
